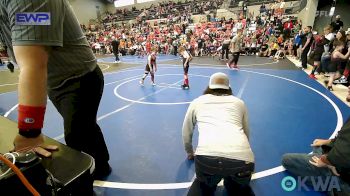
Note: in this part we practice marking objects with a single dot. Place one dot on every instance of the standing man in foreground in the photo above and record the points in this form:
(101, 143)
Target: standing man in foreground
(223, 150)
(55, 59)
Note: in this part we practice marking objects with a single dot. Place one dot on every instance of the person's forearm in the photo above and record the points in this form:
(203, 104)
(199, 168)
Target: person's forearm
(246, 125)
(32, 77)
(347, 55)
(31, 89)
(187, 130)
(32, 86)
(187, 134)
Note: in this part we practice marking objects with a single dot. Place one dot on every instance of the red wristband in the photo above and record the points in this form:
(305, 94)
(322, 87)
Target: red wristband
(30, 117)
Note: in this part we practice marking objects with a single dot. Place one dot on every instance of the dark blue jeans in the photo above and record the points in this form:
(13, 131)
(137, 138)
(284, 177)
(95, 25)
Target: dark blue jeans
(116, 54)
(298, 165)
(211, 170)
(325, 61)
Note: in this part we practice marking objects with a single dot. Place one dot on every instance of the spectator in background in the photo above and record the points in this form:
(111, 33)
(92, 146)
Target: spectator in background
(307, 39)
(272, 38)
(273, 49)
(239, 25)
(226, 156)
(115, 48)
(346, 73)
(337, 24)
(336, 59)
(235, 48)
(319, 50)
(262, 8)
(328, 48)
(225, 47)
(287, 28)
(200, 43)
(264, 50)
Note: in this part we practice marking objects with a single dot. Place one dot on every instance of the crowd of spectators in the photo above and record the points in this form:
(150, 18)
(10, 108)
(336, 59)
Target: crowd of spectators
(270, 34)
(203, 38)
(160, 10)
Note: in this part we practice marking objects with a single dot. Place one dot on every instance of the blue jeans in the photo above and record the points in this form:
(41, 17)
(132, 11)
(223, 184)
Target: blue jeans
(298, 165)
(211, 170)
(325, 60)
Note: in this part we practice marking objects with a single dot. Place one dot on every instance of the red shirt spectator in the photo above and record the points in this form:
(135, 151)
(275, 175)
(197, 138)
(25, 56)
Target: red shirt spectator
(288, 25)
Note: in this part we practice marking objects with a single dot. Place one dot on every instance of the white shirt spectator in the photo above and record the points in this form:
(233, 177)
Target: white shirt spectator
(222, 125)
(239, 25)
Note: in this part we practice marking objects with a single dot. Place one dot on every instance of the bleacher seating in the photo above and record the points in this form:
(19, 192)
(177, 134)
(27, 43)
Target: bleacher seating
(196, 7)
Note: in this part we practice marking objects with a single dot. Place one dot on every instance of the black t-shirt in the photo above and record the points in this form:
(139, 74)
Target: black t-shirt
(305, 37)
(337, 24)
(200, 43)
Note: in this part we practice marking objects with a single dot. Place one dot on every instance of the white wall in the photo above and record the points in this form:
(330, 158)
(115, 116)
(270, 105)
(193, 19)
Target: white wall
(255, 9)
(307, 15)
(86, 9)
(223, 13)
(342, 9)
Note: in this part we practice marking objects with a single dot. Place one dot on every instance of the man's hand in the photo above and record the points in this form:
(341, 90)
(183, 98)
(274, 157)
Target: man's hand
(317, 162)
(36, 144)
(320, 142)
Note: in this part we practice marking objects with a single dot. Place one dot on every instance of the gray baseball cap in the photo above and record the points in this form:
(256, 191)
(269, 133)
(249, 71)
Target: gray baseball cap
(219, 81)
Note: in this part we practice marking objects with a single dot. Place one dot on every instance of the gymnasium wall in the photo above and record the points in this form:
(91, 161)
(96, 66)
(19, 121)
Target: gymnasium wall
(323, 19)
(111, 8)
(87, 9)
(255, 9)
(307, 15)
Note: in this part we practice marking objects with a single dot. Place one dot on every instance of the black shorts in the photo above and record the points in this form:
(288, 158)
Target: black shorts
(333, 67)
(147, 69)
(317, 57)
(186, 67)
